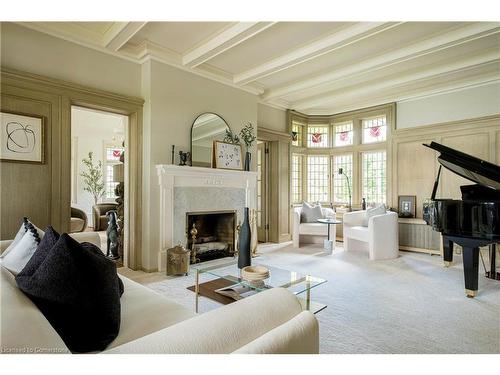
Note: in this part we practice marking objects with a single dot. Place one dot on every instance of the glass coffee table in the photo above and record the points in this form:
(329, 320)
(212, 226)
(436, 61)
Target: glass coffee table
(297, 283)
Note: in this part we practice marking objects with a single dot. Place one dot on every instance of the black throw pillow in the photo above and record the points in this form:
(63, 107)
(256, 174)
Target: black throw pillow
(77, 289)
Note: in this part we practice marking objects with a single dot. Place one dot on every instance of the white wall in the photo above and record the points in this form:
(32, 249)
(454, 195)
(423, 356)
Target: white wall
(271, 118)
(464, 104)
(30, 51)
(90, 130)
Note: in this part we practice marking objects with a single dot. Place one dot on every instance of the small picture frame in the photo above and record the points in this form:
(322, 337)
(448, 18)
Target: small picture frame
(227, 156)
(407, 206)
(21, 137)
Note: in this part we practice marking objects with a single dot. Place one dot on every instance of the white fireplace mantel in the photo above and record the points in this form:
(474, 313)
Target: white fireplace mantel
(171, 177)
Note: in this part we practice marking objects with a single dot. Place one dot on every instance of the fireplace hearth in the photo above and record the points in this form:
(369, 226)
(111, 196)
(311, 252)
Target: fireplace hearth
(215, 234)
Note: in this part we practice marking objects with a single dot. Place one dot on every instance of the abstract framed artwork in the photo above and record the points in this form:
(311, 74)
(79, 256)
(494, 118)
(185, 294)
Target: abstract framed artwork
(227, 156)
(21, 137)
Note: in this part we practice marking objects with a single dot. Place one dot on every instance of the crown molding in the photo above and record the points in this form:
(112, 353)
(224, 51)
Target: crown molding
(120, 33)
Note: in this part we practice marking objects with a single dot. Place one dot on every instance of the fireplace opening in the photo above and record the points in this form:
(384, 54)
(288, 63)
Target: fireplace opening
(215, 235)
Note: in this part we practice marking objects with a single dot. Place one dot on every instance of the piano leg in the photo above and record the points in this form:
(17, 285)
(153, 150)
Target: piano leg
(447, 251)
(471, 270)
(492, 273)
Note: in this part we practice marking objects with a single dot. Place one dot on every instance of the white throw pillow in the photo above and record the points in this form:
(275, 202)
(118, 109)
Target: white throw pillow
(378, 210)
(15, 241)
(19, 255)
(310, 214)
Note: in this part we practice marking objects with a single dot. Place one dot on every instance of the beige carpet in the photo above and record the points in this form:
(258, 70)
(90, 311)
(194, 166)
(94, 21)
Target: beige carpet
(407, 305)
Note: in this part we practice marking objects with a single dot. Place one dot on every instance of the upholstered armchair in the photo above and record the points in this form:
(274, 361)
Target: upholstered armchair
(311, 232)
(99, 215)
(78, 220)
(380, 236)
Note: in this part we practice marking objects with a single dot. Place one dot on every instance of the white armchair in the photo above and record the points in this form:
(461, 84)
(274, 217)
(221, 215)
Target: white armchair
(380, 236)
(311, 232)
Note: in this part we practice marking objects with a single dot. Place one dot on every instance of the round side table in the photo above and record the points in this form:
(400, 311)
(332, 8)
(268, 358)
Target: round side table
(329, 244)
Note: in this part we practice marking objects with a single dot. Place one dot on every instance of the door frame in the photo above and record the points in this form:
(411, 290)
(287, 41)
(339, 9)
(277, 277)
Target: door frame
(68, 94)
(264, 191)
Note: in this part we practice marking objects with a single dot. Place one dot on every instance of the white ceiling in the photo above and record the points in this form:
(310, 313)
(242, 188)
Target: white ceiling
(312, 67)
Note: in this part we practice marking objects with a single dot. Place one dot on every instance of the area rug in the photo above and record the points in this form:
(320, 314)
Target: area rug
(411, 304)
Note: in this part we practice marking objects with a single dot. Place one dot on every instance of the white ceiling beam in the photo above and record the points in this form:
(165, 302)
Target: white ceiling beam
(335, 41)
(120, 33)
(364, 89)
(386, 59)
(226, 39)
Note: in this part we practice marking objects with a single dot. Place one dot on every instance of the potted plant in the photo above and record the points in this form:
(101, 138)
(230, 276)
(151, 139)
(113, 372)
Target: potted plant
(92, 178)
(247, 134)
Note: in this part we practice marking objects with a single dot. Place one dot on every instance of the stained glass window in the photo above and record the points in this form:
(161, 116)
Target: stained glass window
(374, 129)
(343, 134)
(317, 136)
(374, 177)
(297, 130)
(296, 178)
(112, 158)
(340, 188)
(317, 178)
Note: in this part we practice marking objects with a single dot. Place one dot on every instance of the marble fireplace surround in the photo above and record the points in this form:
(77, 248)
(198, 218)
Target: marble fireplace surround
(190, 189)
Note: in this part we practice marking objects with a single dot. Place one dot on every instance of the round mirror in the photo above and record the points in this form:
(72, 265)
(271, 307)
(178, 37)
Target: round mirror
(207, 128)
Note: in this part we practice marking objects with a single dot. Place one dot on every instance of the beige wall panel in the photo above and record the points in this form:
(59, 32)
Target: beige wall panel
(497, 147)
(284, 197)
(26, 187)
(477, 145)
(416, 171)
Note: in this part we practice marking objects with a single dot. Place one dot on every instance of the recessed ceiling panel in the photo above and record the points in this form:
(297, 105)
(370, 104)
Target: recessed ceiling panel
(277, 40)
(445, 57)
(392, 39)
(178, 36)
(97, 27)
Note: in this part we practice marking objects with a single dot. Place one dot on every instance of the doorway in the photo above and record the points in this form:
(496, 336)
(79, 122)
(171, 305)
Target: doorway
(98, 178)
(262, 191)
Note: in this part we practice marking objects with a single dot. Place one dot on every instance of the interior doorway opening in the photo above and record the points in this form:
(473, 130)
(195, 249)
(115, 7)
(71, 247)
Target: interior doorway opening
(98, 178)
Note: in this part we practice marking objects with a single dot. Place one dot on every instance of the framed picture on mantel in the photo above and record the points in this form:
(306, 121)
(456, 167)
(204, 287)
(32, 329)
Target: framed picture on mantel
(227, 156)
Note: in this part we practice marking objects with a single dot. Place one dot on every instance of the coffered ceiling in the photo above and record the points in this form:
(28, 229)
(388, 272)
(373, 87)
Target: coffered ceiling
(312, 67)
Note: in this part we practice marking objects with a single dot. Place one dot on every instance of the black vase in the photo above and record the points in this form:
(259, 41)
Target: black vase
(244, 257)
(248, 158)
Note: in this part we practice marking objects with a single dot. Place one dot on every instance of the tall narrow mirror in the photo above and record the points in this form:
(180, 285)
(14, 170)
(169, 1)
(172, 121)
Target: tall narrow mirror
(207, 128)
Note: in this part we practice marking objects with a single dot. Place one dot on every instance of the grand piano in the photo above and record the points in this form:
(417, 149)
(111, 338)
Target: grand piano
(473, 221)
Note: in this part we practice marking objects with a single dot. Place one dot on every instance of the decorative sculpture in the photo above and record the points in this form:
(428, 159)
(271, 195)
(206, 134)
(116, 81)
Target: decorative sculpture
(112, 234)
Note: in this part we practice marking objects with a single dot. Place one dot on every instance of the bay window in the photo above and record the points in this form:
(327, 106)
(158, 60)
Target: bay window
(357, 142)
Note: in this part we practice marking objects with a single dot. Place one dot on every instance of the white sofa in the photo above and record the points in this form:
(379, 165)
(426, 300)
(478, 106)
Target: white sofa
(268, 322)
(380, 236)
(311, 232)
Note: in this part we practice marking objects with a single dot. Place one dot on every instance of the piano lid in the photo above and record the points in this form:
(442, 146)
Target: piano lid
(467, 166)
